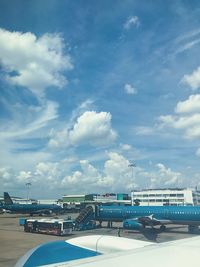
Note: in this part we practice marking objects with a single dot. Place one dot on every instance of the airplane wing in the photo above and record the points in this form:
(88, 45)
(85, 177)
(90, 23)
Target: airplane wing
(140, 222)
(179, 253)
(6, 211)
(42, 211)
(151, 220)
(77, 248)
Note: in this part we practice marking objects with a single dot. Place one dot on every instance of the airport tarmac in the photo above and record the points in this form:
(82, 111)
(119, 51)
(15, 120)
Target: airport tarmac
(14, 242)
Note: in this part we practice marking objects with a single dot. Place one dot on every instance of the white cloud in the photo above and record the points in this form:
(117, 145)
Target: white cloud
(187, 118)
(129, 89)
(143, 130)
(187, 46)
(189, 35)
(193, 132)
(89, 170)
(23, 139)
(83, 181)
(24, 176)
(50, 172)
(45, 180)
(161, 177)
(86, 104)
(93, 128)
(181, 122)
(52, 177)
(117, 173)
(125, 147)
(35, 63)
(72, 180)
(11, 179)
(40, 117)
(191, 105)
(130, 152)
(6, 177)
(90, 128)
(198, 152)
(116, 176)
(167, 177)
(187, 41)
(189, 124)
(131, 22)
(193, 80)
(5, 174)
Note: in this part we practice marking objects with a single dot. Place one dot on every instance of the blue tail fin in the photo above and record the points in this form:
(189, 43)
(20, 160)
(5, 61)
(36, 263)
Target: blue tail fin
(7, 199)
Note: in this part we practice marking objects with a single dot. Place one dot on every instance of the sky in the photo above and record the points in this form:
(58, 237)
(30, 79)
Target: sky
(99, 96)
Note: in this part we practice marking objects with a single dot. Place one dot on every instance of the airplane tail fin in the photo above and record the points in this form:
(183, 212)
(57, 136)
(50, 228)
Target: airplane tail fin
(7, 199)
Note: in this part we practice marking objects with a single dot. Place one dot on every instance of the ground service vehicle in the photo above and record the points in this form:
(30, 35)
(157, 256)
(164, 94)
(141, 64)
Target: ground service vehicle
(49, 226)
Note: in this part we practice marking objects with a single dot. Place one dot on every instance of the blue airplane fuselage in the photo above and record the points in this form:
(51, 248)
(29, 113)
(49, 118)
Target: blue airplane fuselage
(173, 214)
(30, 208)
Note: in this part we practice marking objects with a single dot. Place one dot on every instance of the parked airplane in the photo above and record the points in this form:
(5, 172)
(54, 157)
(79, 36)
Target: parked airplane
(31, 209)
(138, 217)
(98, 251)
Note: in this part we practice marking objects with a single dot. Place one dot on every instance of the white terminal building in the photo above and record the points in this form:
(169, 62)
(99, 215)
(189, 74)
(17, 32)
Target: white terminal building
(163, 197)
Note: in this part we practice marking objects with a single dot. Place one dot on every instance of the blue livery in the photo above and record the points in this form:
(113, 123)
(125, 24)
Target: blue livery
(138, 217)
(31, 209)
(54, 252)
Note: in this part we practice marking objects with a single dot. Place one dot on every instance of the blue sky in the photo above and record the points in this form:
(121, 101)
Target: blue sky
(88, 87)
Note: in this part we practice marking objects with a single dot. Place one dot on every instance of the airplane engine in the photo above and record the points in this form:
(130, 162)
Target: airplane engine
(133, 225)
(193, 229)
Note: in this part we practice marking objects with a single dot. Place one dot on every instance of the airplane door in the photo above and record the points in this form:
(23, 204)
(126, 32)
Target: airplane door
(97, 211)
(166, 213)
(124, 214)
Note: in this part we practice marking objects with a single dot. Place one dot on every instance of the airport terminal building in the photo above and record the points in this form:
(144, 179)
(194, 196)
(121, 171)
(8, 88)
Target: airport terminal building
(164, 197)
(147, 197)
(106, 198)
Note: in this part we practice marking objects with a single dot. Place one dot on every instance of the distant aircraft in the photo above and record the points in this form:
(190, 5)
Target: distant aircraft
(138, 217)
(31, 209)
(106, 251)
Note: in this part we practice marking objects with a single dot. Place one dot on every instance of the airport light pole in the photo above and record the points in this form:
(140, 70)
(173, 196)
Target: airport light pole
(28, 185)
(132, 165)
